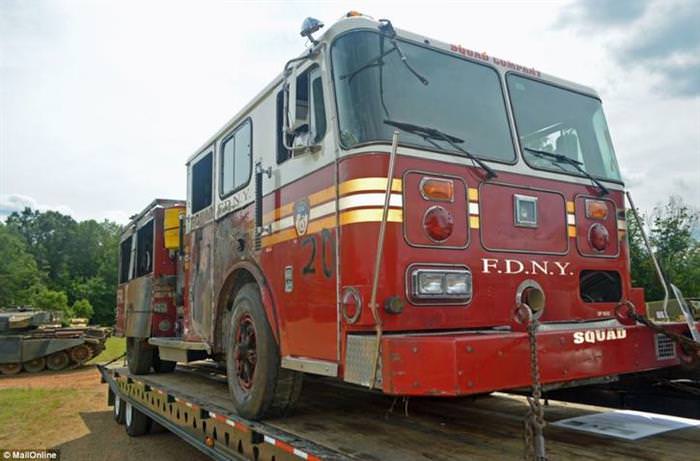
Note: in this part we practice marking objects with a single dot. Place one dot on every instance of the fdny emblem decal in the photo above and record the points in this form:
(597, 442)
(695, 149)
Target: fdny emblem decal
(301, 216)
(600, 335)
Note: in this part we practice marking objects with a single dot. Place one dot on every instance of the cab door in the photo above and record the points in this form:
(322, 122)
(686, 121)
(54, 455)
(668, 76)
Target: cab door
(199, 246)
(300, 253)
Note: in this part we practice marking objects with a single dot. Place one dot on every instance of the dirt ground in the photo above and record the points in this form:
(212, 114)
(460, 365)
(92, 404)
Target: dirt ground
(82, 428)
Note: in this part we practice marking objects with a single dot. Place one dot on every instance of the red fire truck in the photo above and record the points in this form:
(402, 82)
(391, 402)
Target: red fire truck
(398, 213)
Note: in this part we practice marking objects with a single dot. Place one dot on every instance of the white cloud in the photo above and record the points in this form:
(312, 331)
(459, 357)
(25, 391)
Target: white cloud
(9, 203)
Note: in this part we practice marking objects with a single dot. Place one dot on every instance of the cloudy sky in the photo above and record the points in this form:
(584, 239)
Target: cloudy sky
(102, 102)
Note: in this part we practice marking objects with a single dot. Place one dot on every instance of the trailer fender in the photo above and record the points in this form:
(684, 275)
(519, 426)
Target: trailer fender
(240, 274)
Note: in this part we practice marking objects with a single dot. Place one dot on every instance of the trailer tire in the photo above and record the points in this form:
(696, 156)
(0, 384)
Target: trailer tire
(139, 355)
(258, 386)
(136, 422)
(119, 409)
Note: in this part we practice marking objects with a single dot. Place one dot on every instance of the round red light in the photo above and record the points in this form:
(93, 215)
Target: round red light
(598, 236)
(438, 223)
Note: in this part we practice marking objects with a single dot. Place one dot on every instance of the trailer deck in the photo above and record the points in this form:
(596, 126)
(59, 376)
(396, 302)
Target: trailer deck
(336, 422)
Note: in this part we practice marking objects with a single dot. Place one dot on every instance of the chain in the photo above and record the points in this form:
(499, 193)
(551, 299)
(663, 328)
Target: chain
(690, 347)
(534, 419)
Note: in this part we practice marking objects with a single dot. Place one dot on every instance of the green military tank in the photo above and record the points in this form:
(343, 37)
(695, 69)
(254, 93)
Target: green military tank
(33, 340)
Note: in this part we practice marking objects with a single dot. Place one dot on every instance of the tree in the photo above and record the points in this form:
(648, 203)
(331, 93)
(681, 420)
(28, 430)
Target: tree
(82, 309)
(670, 230)
(44, 298)
(18, 269)
(78, 258)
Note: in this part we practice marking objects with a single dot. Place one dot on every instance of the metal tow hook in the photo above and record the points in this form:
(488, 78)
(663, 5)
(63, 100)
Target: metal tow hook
(534, 419)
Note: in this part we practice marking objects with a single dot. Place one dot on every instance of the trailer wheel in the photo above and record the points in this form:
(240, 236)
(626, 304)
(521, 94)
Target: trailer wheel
(258, 386)
(10, 368)
(57, 361)
(35, 365)
(162, 366)
(119, 409)
(136, 422)
(139, 355)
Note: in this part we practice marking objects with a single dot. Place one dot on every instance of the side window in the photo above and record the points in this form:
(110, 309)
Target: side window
(202, 183)
(283, 154)
(125, 260)
(318, 114)
(310, 124)
(144, 249)
(236, 159)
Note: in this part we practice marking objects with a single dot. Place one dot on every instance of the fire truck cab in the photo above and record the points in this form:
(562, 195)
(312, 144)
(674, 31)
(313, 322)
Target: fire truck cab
(505, 192)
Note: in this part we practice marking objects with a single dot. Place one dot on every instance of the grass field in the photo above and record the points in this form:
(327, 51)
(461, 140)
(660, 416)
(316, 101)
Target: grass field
(37, 408)
(115, 348)
(67, 410)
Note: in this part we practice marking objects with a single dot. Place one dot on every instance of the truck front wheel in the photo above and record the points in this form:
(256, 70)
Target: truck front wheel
(139, 355)
(258, 386)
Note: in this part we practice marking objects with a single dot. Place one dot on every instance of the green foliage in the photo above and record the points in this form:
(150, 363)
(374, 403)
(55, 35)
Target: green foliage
(18, 269)
(78, 259)
(82, 309)
(44, 298)
(670, 231)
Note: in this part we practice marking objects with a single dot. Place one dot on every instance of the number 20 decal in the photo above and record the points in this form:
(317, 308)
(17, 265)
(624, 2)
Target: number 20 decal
(327, 253)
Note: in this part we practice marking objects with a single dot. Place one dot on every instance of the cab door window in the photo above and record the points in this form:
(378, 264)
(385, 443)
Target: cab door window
(309, 126)
(236, 159)
(201, 183)
(144, 249)
(125, 260)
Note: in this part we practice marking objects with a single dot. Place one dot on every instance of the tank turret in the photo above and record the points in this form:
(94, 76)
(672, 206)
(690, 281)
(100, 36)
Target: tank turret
(25, 319)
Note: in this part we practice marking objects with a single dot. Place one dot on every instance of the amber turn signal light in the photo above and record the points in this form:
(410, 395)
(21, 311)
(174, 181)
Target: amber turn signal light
(596, 209)
(437, 189)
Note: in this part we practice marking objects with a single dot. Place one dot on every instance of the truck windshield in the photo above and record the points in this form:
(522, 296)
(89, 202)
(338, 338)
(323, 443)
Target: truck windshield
(455, 95)
(563, 122)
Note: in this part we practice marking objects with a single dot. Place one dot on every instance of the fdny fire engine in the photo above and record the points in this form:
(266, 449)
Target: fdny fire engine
(401, 214)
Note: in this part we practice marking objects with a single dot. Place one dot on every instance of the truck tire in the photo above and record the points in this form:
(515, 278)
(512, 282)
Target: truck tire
(258, 386)
(119, 409)
(162, 366)
(136, 422)
(139, 355)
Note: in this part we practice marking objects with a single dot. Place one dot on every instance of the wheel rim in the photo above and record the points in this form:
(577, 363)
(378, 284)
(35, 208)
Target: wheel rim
(127, 413)
(117, 403)
(10, 368)
(245, 352)
(57, 361)
(80, 354)
(35, 366)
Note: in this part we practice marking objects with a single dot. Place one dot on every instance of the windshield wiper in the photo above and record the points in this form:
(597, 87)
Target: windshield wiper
(428, 133)
(575, 163)
(387, 30)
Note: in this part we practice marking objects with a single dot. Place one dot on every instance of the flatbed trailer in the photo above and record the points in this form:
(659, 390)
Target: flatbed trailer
(335, 422)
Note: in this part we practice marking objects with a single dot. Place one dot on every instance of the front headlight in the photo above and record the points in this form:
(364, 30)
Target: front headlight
(447, 284)
(458, 283)
(430, 283)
